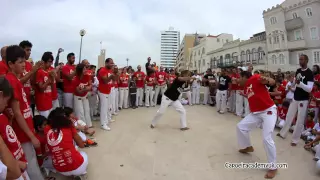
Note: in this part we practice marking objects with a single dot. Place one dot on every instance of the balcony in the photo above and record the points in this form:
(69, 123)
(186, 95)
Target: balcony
(293, 24)
(297, 44)
(229, 64)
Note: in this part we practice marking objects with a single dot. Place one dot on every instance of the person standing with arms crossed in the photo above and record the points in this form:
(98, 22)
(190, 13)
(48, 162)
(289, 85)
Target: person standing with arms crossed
(304, 84)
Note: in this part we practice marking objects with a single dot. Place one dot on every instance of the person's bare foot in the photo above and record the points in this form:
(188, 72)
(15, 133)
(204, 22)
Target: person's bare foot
(184, 129)
(151, 126)
(246, 150)
(271, 174)
(293, 144)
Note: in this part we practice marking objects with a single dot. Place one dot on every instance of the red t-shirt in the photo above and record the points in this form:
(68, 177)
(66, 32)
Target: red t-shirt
(27, 85)
(42, 98)
(284, 83)
(9, 137)
(3, 68)
(150, 80)
(67, 84)
(54, 88)
(81, 83)
(309, 124)
(282, 113)
(65, 157)
(317, 77)
(171, 78)
(234, 84)
(258, 95)
(123, 80)
(20, 96)
(279, 99)
(140, 78)
(313, 103)
(161, 78)
(43, 149)
(116, 83)
(104, 88)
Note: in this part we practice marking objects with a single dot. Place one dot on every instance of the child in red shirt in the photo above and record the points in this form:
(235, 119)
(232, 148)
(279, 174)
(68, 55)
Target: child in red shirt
(314, 100)
(282, 114)
(61, 135)
(308, 126)
(279, 93)
(44, 158)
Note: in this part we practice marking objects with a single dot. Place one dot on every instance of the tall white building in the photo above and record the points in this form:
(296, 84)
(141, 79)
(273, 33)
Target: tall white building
(170, 41)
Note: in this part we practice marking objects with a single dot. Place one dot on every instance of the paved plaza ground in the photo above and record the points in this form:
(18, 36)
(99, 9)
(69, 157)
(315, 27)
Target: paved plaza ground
(133, 151)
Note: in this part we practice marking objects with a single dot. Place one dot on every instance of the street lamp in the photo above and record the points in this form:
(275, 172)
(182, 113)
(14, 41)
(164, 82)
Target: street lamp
(127, 62)
(82, 33)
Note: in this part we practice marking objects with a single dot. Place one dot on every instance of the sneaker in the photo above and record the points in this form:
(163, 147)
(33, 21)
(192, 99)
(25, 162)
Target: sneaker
(105, 127)
(184, 129)
(91, 142)
(152, 126)
(115, 113)
(119, 108)
(112, 120)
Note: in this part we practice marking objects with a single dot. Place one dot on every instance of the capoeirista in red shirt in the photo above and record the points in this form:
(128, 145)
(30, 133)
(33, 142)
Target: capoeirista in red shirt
(103, 87)
(234, 85)
(282, 112)
(140, 76)
(67, 84)
(3, 68)
(9, 137)
(65, 157)
(150, 80)
(20, 96)
(43, 92)
(258, 95)
(123, 80)
(27, 85)
(81, 83)
(161, 78)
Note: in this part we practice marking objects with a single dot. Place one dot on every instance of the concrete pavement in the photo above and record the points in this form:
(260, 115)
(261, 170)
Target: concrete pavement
(133, 151)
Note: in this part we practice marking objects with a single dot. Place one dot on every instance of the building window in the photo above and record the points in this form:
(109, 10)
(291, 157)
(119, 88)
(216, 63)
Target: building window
(218, 40)
(298, 34)
(309, 12)
(227, 40)
(273, 20)
(199, 52)
(274, 59)
(276, 39)
(316, 56)
(203, 51)
(270, 40)
(203, 62)
(294, 15)
(314, 33)
(282, 37)
(281, 59)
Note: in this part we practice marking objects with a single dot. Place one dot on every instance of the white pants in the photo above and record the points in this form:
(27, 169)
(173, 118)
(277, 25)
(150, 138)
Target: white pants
(139, 97)
(165, 102)
(316, 113)
(268, 120)
(317, 148)
(149, 96)
(281, 123)
(301, 107)
(55, 104)
(239, 103)
(246, 107)
(105, 115)
(82, 109)
(206, 96)
(112, 101)
(221, 100)
(232, 101)
(47, 164)
(188, 93)
(45, 113)
(123, 102)
(195, 95)
(93, 104)
(68, 100)
(31, 157)
(116, 99)
(82, 170)
(25, 174)
(158, 89)
(82, 136)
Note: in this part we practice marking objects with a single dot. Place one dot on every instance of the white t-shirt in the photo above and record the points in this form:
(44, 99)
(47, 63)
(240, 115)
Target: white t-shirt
(3, 171)
(317, 127)
(195, 83)
(289, 94)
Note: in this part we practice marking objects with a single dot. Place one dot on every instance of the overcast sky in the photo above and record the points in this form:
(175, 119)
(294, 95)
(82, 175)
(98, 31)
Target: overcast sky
(127, 28)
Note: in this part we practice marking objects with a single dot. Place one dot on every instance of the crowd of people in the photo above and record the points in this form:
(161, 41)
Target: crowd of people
(47, 107)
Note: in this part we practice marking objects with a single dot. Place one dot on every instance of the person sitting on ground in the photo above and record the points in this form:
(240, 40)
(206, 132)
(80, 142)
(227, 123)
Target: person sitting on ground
(80, 127)
(309, 145)
(282, 113)
(44, 158)
(308, 127)
(61, 136)
(314, 131)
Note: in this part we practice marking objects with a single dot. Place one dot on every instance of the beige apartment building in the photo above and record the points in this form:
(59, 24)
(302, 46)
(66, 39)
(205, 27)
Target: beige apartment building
(101, 58)
(184, 51)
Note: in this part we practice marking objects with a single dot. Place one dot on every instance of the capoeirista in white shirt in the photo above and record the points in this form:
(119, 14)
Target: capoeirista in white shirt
(196, 83)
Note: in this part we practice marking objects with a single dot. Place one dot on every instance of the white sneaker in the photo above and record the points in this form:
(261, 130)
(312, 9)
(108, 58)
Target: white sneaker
(105, 127)
(112, 120)
(114, 113)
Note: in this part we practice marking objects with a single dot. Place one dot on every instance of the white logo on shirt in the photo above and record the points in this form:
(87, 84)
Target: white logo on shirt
(299, 77)
(222, 81)
(11, 135)
(52, 141)
(250, 91)
(267, 87)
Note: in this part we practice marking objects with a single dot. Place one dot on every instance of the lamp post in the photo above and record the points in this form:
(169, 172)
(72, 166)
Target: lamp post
(82, 33)
(127, 62)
